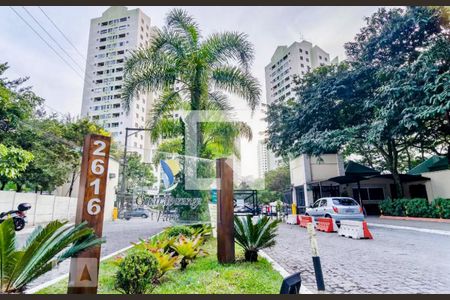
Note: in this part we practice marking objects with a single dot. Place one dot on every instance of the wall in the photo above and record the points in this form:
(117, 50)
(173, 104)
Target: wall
(44, 208)
(438, 186)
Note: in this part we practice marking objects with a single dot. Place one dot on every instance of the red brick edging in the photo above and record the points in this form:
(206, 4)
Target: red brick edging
(416, 219)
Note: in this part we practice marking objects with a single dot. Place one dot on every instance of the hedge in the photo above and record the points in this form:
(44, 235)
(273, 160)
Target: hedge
(417, 207)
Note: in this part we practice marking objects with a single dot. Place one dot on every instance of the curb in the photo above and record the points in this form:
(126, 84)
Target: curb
(283, 272)
(433, 220)
(432, 231)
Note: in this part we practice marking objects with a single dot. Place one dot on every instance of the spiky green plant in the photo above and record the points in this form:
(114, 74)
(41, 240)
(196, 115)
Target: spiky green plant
(187, 249)
(254, 236)
(45, 248)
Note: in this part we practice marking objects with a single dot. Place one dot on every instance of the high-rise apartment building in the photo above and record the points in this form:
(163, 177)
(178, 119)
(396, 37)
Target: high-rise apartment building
(263, 163)
(112, 37)
(297, 59)
(286, 63)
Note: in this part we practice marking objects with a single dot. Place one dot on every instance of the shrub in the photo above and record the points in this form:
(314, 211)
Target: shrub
(176, 231)
(166, 262)
(187, 249)
(442, 207)
(157, 243)
(253, 237)
(136, 273)
(417, 207)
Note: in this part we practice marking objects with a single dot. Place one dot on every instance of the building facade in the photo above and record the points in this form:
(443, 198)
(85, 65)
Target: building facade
(287, 63)
(112, 37)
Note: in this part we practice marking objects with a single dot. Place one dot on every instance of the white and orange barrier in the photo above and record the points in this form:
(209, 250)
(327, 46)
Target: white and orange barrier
(355, 230)
(304, 220)
(326, 225)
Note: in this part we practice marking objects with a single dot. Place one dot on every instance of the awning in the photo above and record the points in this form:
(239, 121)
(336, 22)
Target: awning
(355, 169)
(347, 179)
(404, 177)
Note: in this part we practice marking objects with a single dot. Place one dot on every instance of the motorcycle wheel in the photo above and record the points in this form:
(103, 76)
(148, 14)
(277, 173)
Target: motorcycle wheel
(19, 224)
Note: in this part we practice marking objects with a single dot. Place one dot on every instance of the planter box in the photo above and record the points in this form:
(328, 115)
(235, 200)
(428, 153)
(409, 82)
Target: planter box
(415, 219)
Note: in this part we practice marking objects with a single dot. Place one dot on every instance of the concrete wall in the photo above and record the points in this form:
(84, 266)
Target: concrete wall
(45, 208)
(438, 186)
(305, 169)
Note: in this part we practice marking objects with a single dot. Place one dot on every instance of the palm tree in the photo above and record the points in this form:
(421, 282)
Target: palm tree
(254, 237)
(188, 69)
(45, 248)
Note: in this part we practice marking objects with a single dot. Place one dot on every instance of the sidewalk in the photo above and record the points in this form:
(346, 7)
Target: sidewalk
(418, 226)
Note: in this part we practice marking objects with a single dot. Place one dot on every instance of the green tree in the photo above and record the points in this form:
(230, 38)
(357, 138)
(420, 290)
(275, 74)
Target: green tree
(182, 66)
(371, 100)
(12, 161)
(139, 174)
(279, 179)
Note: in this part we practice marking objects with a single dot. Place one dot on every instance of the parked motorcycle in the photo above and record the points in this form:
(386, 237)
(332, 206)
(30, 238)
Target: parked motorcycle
(19, 217)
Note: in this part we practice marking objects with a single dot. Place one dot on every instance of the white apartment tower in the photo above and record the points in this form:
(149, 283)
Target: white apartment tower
(112, 37)
(263, 163)
(286, 63)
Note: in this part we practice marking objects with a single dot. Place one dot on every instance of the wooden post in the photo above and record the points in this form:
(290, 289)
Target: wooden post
(225, 211)
(83, 277)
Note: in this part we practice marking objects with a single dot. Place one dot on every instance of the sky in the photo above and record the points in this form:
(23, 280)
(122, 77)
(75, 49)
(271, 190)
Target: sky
(266, 27)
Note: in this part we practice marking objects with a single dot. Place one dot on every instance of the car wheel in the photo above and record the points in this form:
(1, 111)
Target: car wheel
(328, 216)
(144, 216)
(306, 214)
(127, 218)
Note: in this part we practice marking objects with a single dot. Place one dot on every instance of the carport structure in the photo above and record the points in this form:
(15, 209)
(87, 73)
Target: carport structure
(369, 186)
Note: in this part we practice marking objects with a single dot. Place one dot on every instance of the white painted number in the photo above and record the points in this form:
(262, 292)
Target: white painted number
(98, 151)
(96, 185)
(97, 167)
(93, 207)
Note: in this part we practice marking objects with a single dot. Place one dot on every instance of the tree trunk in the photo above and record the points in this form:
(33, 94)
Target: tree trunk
(2, 185)
(251, 255)
(74, 173)
(18, 187)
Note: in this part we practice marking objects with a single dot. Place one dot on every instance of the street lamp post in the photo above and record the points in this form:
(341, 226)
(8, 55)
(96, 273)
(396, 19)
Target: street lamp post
(124, 160)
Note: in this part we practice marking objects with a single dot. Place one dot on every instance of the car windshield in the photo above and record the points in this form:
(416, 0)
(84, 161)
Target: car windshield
(344, 201)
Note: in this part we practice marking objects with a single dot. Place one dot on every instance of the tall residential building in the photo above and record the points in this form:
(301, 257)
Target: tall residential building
(286, 63)
(263, 162)
(112, 37)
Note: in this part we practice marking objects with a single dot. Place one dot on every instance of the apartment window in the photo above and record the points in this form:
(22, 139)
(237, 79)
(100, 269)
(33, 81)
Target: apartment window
(104, 23)
(306, 52)
(302, 65)
(102, 39)
(116, 105)
(116, 124)
(322, 64)
(326, 59)
(124, 19)
(301, 50)
(301, 57)
(320, 56)
(307, 59)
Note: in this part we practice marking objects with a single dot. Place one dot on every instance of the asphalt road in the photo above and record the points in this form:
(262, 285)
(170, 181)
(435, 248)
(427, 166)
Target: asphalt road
(118, 234)
(395, 261)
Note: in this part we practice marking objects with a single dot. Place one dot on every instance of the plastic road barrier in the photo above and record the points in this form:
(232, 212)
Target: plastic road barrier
(291, 219)
(355, 230)
(304, 220)
(326, 225)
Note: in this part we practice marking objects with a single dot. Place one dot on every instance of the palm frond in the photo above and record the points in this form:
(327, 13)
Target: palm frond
(223, 47)
(182, 23)
(256, 236)
(7, 250)
(219, 100)
(234, 80)
(169, 101)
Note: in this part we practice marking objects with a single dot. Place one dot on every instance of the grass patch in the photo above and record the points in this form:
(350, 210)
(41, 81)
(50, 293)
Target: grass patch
(204, 276)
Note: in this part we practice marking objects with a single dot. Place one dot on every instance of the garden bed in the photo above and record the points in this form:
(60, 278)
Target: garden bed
(203, 276)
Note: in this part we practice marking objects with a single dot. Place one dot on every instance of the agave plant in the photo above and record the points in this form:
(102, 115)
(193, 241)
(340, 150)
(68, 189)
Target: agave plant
(187, 249)
(254, 236)
(45, 248)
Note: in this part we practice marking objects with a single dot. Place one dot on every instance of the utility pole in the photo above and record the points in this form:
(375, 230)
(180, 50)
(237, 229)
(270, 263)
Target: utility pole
(123, 188)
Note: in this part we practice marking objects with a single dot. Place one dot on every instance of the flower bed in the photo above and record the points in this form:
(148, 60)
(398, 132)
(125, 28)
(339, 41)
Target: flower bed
(203, 275)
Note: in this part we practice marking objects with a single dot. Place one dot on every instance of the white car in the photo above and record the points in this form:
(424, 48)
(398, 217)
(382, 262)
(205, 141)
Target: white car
(337, 208)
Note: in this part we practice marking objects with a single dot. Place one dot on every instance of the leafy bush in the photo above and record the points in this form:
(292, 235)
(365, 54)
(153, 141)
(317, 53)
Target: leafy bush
(442, 207)
(166, 262)
(157, 243)
(45, 248)
(417, 207)
(176, 231)
(137, 272)
(253, 237)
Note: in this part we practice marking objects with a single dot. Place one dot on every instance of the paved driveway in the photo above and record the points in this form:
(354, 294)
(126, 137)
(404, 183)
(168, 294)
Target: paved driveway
(118, 235)
(395, 261)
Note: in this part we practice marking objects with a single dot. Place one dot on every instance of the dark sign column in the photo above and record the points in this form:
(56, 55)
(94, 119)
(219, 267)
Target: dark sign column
(225, 211)
(83, 278)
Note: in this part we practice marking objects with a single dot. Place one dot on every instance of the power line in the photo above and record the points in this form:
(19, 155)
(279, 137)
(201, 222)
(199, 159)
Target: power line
(62, 33)
(45, 41)
(52, 38)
